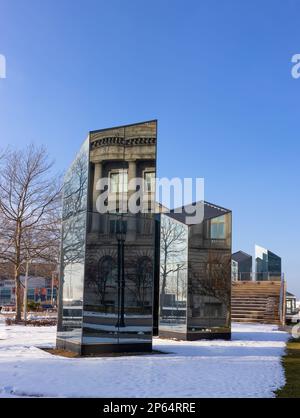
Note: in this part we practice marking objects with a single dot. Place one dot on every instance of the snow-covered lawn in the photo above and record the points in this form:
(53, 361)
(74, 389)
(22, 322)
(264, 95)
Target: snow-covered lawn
(247, 366)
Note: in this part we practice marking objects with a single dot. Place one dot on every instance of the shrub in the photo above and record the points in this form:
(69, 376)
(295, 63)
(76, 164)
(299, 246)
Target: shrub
(33, 306)
(32, 322)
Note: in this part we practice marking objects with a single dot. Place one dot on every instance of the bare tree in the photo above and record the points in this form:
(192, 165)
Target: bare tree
(29, 210)
(172, 246)
(215, 281)
(101, 277)
(140, 281)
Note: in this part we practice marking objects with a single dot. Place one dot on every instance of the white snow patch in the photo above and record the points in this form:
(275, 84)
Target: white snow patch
(247, 366)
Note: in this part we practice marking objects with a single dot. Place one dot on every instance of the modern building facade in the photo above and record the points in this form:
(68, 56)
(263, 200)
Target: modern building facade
(267, 264)
(241, 266)
(108, 257)
(42, 286)
(195, 275)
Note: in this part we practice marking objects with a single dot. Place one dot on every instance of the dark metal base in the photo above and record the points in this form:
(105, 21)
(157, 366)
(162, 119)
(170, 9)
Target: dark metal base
(194, 336)
(99, 349)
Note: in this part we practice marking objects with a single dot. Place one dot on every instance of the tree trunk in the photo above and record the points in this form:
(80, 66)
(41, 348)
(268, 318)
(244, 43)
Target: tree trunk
(164, 280)
(18, 294)
(163, 291)
(17, 273)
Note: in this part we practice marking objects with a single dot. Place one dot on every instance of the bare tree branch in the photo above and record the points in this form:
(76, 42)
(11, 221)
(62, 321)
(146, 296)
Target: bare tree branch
(29, 210)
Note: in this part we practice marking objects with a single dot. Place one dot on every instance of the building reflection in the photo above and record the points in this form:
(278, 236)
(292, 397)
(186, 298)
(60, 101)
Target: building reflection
(107, 262)
(195, 275)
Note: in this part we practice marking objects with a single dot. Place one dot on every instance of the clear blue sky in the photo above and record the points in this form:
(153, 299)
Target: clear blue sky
(215, 73)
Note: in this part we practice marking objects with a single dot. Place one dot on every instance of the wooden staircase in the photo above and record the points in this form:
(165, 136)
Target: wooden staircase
(256, 302)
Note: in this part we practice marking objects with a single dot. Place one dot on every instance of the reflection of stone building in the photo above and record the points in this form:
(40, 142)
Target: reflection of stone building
(101, 279)
(195, 275)
(112, 308)
(121, 155)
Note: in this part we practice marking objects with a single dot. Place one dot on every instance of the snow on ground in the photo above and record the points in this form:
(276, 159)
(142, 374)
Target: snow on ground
(247, 366)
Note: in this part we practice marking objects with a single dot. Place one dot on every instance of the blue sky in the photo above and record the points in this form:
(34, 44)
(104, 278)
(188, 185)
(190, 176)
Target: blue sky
(215, 73)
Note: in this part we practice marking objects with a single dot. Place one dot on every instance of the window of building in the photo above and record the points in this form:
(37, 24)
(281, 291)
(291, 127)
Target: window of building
(118, 181)
(49, 293)
(117, 226)
(5, 295)
(149, 179)
(218, 228)
(30, 294)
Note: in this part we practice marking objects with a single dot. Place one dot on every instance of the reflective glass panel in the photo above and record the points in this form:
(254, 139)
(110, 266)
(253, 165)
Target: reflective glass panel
(119, 280)
(173, 276)
(209, 276)
(119, 263)
(73, 249)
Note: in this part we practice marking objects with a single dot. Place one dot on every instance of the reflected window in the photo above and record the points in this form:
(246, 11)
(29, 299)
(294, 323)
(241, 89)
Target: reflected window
(30, 294)
(149, 180)
(218, 228)
(117, 226)
(5, 295)
(118, 181)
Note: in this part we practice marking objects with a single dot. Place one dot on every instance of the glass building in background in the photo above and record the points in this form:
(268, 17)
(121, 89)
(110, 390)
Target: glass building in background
(195, 275)
(108, 259)
(241, 266)
(267, 264)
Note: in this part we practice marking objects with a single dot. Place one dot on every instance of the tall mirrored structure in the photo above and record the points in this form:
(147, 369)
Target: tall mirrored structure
(115, 313)
(73, 246)
(195, 275)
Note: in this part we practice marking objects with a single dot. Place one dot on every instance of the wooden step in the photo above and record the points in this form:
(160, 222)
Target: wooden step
(255, 302)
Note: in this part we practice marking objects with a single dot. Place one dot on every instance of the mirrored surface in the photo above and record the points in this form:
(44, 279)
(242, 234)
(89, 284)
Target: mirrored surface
(195, 277)
(118, 290)
(107, 254)
(173, 276)
(75, 191)
(210, 276)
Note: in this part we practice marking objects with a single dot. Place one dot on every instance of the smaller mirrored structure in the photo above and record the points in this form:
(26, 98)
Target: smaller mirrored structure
(267, 265)
(241, 266)
(195, 274)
